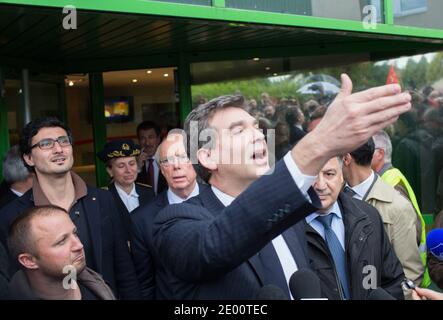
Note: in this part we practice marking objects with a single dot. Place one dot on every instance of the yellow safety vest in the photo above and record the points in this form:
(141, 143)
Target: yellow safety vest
(393, 177)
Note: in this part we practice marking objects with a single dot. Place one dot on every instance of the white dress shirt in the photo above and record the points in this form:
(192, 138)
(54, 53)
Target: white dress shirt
(173, 198)
(130, 200)
(303, 182)
(18, 193)
(362, 189)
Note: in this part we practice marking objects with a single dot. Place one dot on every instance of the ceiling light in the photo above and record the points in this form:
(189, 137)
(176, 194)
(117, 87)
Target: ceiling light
(256, 59)
(268, 68)
(275, 74)
(165, 75)
(71, 83)
(149, 71)
(134, 80)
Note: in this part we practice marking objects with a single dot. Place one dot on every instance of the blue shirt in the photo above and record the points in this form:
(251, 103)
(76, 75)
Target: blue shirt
(337, 223)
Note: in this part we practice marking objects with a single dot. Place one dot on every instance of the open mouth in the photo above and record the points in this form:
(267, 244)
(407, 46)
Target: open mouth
(260, 156)
(59, 160)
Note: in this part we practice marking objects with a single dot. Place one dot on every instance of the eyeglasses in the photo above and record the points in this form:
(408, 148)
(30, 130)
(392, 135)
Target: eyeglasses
(49, 143)
(183, 158)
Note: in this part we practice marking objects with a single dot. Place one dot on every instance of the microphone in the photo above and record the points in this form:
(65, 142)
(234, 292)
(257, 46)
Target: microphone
(305, 285)
(380, 294)
(271, 292)
(434, 242)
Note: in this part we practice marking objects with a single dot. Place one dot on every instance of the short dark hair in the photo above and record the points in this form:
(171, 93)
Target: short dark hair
(146, 125)
(33, 127)
(20, 238)
(202, 114)
(363, 155)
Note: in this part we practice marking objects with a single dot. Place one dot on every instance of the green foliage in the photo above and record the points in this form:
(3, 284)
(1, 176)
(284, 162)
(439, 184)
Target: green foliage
(435, 69)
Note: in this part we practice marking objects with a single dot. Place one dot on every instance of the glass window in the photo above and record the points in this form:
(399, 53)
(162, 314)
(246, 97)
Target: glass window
(344, 9)
(418, 13)
(198, 2)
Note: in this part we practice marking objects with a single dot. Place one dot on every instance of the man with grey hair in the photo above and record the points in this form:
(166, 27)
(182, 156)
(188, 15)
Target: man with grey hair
(239, 235)
(382, 165)
(16, 177)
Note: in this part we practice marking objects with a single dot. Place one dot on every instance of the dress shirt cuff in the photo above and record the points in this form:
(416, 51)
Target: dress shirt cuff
(303, 181)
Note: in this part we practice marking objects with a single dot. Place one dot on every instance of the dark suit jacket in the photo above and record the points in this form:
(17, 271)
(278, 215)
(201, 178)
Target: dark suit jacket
(4, 277)
(142, 177)
(295, 135)
(145, 195)
(210, 251)
(366, 245)
(110, 251)
(6, 195)
(147, 265)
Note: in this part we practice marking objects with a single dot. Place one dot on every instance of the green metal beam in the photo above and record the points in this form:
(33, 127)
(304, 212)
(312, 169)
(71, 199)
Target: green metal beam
(230, 15)
(388, 10)
(184, 87)
(4, 132)
(98, 124)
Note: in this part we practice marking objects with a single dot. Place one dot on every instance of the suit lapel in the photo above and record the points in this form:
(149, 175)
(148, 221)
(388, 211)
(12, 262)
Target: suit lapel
(214, 205)
(297, 245)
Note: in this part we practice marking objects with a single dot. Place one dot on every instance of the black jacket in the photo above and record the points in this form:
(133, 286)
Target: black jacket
(6, 195)
(4, 277)
(109, 248)
(366, 245)
(213, 252)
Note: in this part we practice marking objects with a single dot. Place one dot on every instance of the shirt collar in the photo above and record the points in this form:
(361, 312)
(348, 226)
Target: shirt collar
(335, 209)
(120, 190)
(173, 198)
(362, 188)
(224, 198)
(40, 198)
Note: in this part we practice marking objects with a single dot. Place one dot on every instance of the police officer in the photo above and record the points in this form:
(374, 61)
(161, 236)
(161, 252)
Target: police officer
(120, 157)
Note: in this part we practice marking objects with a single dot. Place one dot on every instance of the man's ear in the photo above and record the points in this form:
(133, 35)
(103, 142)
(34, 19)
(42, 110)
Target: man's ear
(28, 159)
(28, 261)
(205, 158)
(347, 159)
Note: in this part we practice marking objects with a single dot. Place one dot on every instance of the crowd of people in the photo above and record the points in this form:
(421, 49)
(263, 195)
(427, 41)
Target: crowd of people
(182, 220)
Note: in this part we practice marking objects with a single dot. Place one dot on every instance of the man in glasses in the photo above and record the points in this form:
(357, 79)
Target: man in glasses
(181, 178)
(46, 146)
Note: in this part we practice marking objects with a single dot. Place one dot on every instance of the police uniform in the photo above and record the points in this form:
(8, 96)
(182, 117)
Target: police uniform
(144, 192)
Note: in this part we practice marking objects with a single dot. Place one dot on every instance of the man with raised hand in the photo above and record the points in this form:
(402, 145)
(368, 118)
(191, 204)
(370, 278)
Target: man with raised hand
(237, 236)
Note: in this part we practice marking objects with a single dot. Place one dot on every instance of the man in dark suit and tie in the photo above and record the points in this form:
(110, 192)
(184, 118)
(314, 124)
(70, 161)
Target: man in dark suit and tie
(229, 242)
(181, 177)
(347, 243)
(148, 134)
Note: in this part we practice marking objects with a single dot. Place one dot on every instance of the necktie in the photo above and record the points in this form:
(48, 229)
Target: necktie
(151, 172)
(349, 191)
(337, 252)
(273, 269)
